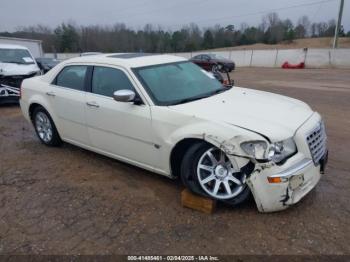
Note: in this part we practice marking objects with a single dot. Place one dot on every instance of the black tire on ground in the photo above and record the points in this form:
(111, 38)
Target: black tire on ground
(190, 179)
(55, 139)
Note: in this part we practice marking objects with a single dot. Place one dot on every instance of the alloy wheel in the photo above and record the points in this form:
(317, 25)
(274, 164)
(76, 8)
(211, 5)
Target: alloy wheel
(43, 127)
(218, 176)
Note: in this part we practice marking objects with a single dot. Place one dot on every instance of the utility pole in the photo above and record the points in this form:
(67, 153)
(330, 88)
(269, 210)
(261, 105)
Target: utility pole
(337, 28)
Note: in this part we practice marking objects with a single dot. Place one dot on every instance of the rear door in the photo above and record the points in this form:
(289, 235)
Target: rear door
(121, 129)
(67, 96)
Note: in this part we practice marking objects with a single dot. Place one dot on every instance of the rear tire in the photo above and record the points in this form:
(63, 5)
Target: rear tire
(45, 127)
(207, 171)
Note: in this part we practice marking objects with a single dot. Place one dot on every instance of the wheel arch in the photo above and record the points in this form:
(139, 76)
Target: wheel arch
(178, 151)
(31, 109)
(38, 100)
(226, 139)
(55, 139)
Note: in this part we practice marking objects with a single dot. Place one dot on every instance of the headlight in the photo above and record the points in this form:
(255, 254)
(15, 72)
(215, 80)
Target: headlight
(281, 150)
(257, 149)
(275, 152)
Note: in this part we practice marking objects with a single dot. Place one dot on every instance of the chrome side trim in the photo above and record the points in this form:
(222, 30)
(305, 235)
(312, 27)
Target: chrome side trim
(294, 169)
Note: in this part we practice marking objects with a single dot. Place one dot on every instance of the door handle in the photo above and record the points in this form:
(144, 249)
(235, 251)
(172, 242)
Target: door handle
(92, 104)
(50, 93)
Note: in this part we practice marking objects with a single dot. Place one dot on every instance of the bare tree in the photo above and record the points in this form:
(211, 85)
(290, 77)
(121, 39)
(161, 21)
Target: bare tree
(70, 37)
(304, 24)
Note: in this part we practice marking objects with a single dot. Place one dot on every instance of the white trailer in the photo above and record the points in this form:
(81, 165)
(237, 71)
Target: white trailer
(34, 46)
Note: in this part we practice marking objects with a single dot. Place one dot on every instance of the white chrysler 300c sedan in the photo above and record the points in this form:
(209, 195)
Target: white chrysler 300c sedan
(165, 114)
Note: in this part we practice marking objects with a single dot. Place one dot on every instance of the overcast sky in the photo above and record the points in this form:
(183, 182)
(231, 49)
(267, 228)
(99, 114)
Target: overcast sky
(169, 14)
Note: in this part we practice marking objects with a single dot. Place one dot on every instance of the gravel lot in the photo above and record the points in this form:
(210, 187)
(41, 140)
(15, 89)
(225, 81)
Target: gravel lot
(70, 201)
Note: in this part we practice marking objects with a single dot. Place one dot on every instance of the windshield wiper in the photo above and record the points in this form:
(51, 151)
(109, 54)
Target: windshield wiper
(219, 91)
(186, 100)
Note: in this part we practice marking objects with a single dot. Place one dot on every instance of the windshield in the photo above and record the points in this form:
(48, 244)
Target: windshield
(17, 56)
(176, 83)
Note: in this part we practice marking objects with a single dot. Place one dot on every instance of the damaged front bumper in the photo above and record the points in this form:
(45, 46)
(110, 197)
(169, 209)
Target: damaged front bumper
(10, 87)
(9, 94)
(276, 187)
(294, 183)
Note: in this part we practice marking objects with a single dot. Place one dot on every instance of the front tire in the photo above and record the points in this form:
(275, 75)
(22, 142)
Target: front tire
(45, 127)
(207, 171)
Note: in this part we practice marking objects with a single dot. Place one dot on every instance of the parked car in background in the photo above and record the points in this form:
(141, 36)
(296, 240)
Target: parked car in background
(210, 61)
(167, 115)
(45, 64)
(16, 64)
(223, 77)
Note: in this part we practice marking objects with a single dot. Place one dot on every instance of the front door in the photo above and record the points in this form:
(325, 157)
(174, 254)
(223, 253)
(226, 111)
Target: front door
(122, 129)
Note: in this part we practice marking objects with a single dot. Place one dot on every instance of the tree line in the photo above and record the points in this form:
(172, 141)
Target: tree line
(69, 37)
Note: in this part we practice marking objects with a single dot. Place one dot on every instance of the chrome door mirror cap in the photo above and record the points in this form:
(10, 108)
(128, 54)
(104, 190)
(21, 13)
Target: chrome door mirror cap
(124, 95)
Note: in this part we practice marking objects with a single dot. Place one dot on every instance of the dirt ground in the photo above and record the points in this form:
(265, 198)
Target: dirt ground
(71, 201)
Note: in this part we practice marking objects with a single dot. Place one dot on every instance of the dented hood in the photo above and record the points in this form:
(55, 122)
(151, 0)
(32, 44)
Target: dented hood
(274, 116)
(10, 69)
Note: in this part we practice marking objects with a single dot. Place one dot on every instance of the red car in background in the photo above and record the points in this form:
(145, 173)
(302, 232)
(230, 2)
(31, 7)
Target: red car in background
(210, 61)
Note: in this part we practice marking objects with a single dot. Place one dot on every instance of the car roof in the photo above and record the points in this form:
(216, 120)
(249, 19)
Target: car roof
(131, 60)
(10, 46)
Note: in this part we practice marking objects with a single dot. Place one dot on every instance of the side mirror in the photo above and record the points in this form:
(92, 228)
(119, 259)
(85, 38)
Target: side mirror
(124, 95)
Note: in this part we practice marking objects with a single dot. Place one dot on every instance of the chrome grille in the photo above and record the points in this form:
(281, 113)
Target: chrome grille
(317, 141)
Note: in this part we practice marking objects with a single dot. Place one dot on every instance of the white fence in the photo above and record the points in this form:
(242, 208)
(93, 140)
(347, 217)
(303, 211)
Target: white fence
(62, 56)
(313, 58)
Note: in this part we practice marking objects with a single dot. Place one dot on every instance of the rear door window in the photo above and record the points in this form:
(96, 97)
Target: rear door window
(72, 77)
